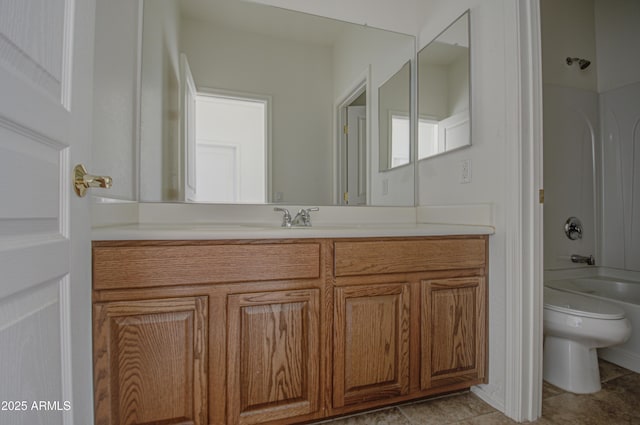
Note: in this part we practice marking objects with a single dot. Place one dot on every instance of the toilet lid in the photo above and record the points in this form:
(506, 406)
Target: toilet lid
(579, 305)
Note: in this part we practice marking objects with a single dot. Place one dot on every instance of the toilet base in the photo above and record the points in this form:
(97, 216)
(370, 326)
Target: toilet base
(571, 366)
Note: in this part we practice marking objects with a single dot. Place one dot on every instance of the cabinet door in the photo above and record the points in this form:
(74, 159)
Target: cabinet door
(453, 332)
(371, 343)
(273, 355)
(150, 361)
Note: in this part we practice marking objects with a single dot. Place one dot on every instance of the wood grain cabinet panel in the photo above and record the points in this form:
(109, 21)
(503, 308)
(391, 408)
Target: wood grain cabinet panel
(142, 266)
(150, 361)
(357, 258)
(273, 355)
(453, 332)
(371, 343)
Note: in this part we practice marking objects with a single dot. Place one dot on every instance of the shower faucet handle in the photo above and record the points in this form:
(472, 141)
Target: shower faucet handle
(573, 228)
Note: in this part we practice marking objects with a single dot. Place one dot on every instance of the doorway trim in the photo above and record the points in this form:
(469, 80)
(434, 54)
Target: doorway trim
(524, 222)
(362, 84)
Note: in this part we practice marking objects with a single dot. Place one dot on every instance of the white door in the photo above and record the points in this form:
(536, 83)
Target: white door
(357, 155)
(46, 66)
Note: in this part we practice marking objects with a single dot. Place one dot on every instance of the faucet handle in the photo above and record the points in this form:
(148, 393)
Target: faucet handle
(306, 215)
(573, 228)
(286, 219)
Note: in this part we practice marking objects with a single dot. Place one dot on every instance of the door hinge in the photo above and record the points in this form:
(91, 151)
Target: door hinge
(345, 196)
(345, 129)
(541, 196)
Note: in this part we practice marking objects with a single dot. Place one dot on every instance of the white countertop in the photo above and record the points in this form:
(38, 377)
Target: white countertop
(203, 231)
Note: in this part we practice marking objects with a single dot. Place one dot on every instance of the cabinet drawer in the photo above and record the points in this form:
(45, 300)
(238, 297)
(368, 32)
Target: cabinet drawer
(146, 266)
(405, 256)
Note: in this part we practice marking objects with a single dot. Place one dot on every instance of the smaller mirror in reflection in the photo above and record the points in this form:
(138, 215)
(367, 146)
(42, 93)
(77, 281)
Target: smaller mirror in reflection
(444, 119)
(393, 120)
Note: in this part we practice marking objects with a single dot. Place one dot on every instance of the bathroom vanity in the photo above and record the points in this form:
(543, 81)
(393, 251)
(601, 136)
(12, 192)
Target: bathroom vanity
(284, 330)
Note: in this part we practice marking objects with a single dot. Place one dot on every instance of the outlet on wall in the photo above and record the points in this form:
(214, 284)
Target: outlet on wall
(465, 171)
(385, 187)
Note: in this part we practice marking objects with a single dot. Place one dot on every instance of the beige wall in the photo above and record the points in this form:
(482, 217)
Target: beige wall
(568, 29)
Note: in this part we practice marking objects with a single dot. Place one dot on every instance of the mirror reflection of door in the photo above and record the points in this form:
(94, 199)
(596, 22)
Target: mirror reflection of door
(230, 155)
(356, 155)
(188, 129)
(400, 137)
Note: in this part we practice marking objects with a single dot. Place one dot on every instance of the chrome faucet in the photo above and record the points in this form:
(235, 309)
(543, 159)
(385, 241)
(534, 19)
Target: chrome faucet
(286, 219)
(581, 259)
(303, 218)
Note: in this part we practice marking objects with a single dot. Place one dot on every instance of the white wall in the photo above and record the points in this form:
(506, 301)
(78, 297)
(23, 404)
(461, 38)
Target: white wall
(443, 88)
(433, 90)
(115, 96)
(301, 130)
(493, 65)
(458, 85)
(160, 68)
(617, 40)
(568, 29)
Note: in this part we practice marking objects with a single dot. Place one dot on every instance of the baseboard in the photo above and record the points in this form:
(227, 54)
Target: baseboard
(621, 357)
(485, 394)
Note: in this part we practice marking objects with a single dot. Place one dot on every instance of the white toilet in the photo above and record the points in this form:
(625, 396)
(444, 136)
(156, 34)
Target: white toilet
(574, 327)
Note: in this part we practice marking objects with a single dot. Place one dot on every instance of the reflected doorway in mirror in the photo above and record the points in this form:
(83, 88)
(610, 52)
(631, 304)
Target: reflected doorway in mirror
(231, 149)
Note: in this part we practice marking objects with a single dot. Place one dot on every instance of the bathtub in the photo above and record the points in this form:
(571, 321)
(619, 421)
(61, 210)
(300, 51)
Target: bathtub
(626, 295)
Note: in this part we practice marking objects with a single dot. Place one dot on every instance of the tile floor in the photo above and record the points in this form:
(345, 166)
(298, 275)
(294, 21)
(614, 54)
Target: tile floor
(617, 403)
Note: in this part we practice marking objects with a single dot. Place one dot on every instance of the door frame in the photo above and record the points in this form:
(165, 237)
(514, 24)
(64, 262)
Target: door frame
(524, 222)
(362, 84)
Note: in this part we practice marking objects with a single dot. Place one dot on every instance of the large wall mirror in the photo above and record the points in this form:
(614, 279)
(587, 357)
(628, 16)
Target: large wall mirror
(444, 118)
(242, 102)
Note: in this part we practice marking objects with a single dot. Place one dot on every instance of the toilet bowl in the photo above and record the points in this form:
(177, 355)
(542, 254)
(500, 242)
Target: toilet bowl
(574, 327)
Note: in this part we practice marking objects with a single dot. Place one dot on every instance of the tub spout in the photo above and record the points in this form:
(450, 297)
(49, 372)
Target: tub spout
(582, 259)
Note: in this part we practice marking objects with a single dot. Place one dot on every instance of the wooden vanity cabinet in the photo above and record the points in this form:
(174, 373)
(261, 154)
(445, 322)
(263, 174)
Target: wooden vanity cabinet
(409, 318)
(208, 332)
(283, 331)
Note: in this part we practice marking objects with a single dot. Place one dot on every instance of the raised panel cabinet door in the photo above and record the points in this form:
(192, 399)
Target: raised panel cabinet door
(453, 332)
(273, 348)
(371, 343)
(150, 361)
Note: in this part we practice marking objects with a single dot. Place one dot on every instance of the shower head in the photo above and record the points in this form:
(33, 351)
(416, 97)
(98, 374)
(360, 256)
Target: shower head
(582, 63)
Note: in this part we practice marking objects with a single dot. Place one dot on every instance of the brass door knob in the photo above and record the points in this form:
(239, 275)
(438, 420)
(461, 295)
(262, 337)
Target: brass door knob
(83, 181)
